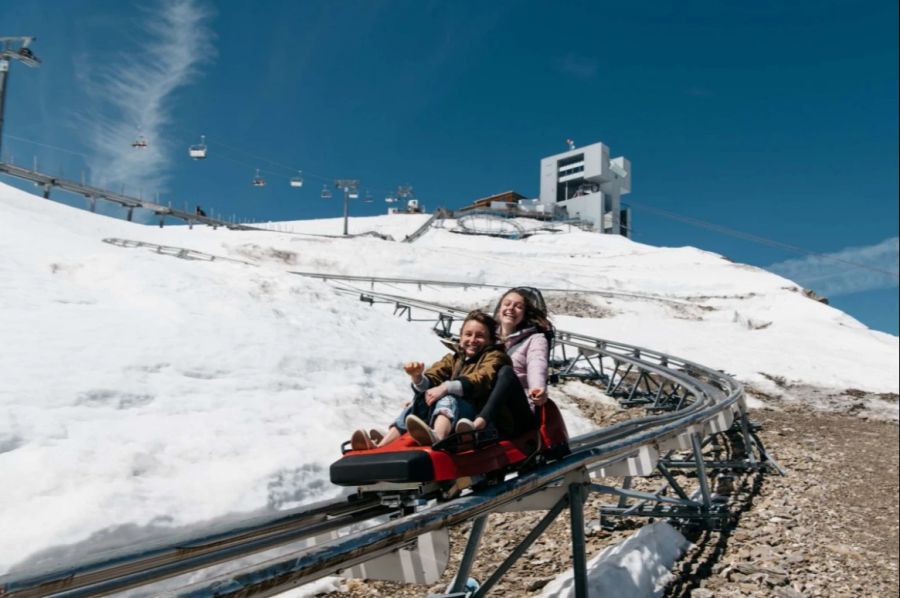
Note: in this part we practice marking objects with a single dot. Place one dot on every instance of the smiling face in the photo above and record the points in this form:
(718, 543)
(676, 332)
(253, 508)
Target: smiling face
(512, 311)
(473, 337)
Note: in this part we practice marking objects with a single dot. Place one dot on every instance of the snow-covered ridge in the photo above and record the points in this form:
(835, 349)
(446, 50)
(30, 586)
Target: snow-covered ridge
(147, 391)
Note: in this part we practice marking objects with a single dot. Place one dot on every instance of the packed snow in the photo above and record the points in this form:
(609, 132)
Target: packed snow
(639, 566)
(144, 392)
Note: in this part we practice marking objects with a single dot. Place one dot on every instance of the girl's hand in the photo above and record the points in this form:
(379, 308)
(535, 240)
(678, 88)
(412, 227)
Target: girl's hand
(538, 396)
(432, 395)
(414, 369)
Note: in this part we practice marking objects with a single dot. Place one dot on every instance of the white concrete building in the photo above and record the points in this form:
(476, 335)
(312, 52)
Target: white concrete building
(588, 185)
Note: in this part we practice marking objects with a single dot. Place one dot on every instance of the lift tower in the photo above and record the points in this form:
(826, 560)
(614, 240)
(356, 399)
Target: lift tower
(13, 48)
(350, 188)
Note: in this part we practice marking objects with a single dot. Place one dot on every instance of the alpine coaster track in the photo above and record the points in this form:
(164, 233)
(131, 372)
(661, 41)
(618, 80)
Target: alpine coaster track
(689, 408)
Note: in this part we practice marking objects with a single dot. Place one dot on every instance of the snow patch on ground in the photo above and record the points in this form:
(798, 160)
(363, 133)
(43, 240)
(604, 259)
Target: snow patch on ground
(640, 566)
(136, 382)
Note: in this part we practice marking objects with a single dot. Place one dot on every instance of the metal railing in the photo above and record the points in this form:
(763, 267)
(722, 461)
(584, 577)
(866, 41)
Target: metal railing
(419, 283)
(439, 213)
(47, 182)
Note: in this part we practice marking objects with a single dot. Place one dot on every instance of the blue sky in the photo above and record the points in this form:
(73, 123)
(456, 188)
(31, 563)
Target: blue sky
(775, 119)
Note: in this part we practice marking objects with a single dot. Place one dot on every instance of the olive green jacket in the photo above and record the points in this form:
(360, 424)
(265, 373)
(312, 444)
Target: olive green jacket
(476, 374)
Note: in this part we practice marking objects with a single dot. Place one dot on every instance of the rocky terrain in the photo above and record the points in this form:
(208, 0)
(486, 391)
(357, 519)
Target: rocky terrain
(827, 528)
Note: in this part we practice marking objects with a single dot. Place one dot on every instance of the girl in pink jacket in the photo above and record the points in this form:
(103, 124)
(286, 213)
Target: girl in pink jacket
(523, 327)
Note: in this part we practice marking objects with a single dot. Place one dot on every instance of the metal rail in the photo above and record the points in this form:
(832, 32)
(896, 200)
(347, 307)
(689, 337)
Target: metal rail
(686, 403)
(439, 213)
(603, 448)
(118, 570)
(469, 224)
(422, 282)
(179, 252)
(47, 182)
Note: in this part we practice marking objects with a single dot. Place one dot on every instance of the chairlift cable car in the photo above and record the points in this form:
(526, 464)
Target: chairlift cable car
(198, 151)
(140, 142)
(367, 198)
(297, 181)
(258, 181)
(326, 192)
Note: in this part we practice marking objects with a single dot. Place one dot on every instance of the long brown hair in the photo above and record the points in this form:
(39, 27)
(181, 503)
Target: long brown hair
(534, 315)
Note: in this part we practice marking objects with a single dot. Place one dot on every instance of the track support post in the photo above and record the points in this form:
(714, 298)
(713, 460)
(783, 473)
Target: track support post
(579, 558)
(745, 432)
(701, 471)
(465, 565)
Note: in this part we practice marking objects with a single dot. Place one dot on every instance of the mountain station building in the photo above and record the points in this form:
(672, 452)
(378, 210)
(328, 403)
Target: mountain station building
(588, 186)
(581, 184)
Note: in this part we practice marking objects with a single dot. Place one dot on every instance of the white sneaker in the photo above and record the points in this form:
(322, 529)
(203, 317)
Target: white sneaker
(464, 425)
(420, 431)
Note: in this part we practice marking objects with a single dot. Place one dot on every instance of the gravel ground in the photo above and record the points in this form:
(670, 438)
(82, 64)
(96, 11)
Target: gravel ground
(828, 528)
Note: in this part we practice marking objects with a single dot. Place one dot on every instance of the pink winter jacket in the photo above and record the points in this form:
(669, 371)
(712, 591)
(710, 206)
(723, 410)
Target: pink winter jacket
(529, 352)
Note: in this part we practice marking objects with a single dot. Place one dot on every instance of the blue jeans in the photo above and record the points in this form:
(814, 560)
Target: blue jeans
(453, 407)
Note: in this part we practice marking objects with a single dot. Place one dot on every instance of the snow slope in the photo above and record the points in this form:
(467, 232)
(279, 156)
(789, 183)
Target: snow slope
(143, 391)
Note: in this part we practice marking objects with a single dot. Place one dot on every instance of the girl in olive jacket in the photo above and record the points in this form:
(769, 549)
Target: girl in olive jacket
(455, 389)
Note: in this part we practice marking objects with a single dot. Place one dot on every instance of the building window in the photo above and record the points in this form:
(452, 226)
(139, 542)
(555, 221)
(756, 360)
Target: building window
(568, 189)
(570, 160)
(565, 171)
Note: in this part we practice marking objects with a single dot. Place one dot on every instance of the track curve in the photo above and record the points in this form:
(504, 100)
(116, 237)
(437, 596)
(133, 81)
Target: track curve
(686, 402)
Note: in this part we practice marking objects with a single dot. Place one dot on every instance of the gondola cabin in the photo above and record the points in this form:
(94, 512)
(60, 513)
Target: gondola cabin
(198, 151)
(258, 180)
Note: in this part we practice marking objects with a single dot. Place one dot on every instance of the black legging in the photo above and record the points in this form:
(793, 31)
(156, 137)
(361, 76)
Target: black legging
(507, 406)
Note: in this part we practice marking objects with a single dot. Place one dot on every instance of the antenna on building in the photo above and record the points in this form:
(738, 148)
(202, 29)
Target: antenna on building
(570, 143)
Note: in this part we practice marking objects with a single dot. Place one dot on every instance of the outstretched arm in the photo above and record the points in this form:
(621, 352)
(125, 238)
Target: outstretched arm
(536, 361)
(415, 370)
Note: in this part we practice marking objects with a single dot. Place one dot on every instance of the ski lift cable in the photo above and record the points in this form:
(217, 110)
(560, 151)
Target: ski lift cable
(303, 174)
(260, 172)
(280, 165)
(756, 238)
(217, 154)
(286, 169)
(294, 171)
(47, 145)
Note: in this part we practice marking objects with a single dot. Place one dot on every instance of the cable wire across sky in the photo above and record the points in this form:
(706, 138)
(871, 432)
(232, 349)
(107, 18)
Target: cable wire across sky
(755, 238)
(287, 171)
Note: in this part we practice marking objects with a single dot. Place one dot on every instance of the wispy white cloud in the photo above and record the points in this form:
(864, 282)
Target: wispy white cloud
(850, 270)
(132, 95)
